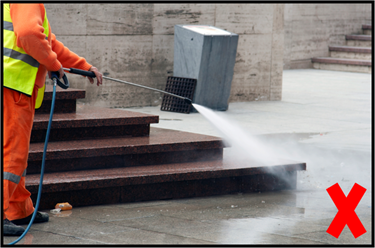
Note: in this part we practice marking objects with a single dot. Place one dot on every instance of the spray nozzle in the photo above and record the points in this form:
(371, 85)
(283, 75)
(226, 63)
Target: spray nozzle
(187, 100)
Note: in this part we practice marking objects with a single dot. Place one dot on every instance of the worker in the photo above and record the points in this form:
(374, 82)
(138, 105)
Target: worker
(30, 51)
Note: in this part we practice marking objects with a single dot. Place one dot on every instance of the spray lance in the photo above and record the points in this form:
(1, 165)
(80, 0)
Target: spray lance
(92, 74)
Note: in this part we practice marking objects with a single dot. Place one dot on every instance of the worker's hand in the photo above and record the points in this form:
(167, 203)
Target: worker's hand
(60, 71)
(99, 76)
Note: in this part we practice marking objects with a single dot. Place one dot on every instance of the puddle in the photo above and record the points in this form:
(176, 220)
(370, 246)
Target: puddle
(62, 214)
(165, 119)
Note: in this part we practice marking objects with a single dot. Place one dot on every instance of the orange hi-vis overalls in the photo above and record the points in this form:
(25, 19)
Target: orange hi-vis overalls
(18, 120)
(19, 106)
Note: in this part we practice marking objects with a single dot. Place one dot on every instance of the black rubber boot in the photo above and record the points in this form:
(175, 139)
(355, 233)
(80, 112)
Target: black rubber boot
(39, 218)
(10, 229)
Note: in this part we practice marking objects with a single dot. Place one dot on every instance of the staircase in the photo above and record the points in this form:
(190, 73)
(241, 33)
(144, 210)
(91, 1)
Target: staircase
(354, 57)
(107, 156)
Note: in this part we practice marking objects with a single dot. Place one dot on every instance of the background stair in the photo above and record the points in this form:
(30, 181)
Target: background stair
(367, 29)
(356, 56)
(350, 52)
(105, 156)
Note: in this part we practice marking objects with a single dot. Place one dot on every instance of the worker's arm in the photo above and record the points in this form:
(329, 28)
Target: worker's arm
(28, 27)
(69, 59)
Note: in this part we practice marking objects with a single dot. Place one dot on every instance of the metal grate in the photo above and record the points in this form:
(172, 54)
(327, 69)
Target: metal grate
(180, 86)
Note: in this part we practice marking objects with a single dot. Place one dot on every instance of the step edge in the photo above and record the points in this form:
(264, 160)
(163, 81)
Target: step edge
(124, 150)
(358, 37)
(119, 180)
(366, 26)
(64, 123)
(68, 94)
(330, 60)
(351, 49)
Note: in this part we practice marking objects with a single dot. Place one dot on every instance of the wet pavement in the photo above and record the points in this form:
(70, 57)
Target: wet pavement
(324, 119)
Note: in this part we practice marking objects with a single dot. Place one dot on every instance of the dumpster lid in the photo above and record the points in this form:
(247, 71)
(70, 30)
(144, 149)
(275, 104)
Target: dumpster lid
(207, 30)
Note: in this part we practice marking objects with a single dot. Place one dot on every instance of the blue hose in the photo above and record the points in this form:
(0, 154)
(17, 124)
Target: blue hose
(42, 169)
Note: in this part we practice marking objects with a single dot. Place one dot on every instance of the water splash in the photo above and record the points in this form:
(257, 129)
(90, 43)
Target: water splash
(245, 146)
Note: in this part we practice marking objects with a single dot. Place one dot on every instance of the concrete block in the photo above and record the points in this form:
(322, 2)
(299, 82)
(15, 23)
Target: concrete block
(278, 18)
(123, 56)
(248, 57)
(132, 19)
(126, 58)
(76, 44)
(245, 18)
(252, 71)
(162, 55)
(67, 19)
(250, 93)
(168, 15)
(161, 64)
(277, 53)
(209, 59)
(301, 64)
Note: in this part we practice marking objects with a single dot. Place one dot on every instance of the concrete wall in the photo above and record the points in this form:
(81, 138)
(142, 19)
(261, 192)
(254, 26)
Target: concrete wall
(134, 42)
(311, 28)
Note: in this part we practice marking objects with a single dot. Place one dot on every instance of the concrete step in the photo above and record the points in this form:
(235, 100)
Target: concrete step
(339, 64)
(65, 100)
(166, 181)
(161, 146)
(92, 122)
(367, 29)
(347, 52)
(358, 40)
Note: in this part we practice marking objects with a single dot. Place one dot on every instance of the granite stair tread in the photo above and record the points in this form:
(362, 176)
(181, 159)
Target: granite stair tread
(166, 181)
(114, 177)
(65, 100)
(88, 116)
(70, 93)
(89, 122)
(159, 140)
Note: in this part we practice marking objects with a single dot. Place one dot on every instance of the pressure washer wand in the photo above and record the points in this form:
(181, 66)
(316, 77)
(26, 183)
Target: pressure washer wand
(92, 74)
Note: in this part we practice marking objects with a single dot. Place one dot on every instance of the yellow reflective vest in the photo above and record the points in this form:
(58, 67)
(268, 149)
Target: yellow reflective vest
(20, 69)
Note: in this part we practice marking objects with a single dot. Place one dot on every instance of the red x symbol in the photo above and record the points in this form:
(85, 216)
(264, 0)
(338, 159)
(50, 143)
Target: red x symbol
(346, 207)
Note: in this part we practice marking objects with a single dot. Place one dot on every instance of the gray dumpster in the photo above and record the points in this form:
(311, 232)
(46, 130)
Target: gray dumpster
(207, 54)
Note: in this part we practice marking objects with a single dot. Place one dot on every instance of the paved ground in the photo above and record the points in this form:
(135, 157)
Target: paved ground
(324, 119)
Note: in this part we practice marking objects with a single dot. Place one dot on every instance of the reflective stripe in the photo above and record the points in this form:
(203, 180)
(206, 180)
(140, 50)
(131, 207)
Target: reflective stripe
(24, 173)
(20, 56)
(19, 68)
(8, 25)
(12, 177)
